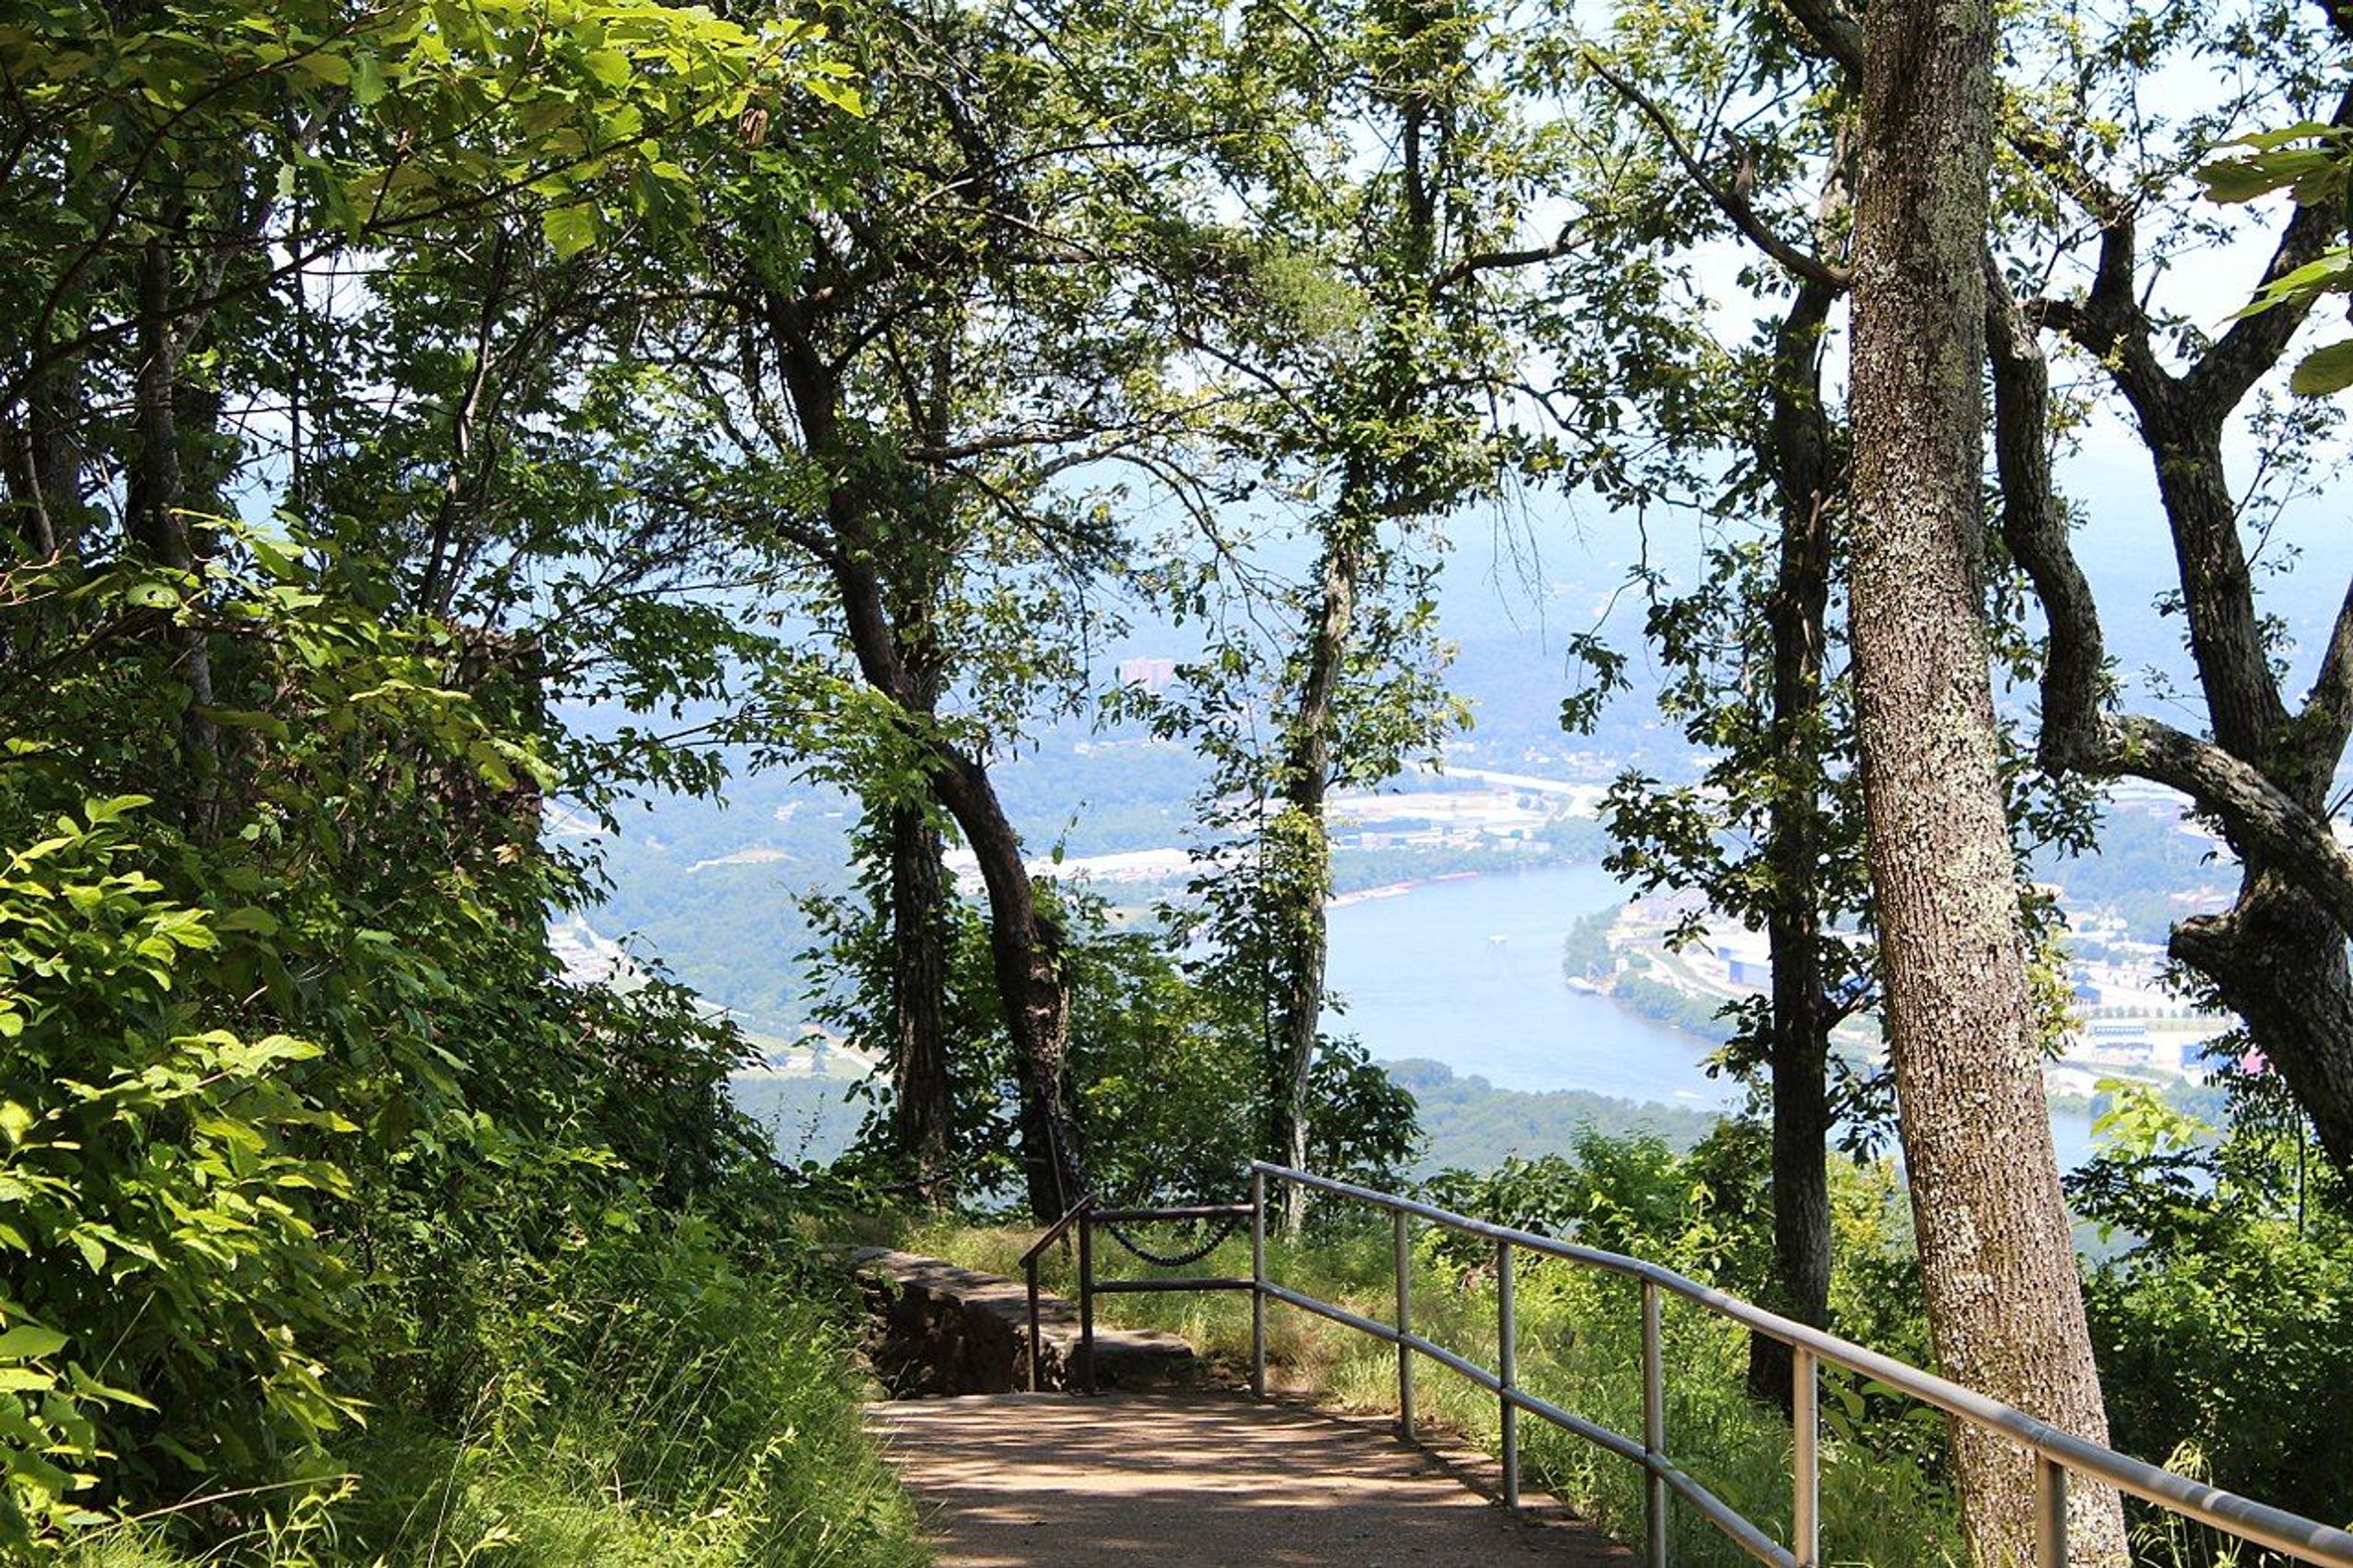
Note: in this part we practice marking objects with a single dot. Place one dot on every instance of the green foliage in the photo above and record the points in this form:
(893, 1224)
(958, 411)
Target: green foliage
(644, 1361)
(1166, 1071)
(167, 1291)
(269, 1172)
(2309, 162)
(645, 1401)
(2221, 1321)
(306, 1146)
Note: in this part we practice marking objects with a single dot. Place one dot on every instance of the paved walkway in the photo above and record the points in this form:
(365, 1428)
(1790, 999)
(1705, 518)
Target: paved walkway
(1050, 1480)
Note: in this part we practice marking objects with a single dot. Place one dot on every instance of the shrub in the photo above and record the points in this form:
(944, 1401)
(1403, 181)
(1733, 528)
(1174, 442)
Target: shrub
(169, 1301)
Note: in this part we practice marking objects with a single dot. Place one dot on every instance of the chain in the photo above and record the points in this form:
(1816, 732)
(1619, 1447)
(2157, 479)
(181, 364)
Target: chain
(1176, 1260)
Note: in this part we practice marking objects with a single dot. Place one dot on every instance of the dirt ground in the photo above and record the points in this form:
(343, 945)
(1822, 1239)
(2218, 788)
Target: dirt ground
(1052, 1480)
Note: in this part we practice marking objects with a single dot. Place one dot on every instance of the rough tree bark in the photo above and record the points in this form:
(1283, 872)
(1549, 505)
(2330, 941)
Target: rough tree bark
(920, 1107)
(1997, 1257)
(1799, 454)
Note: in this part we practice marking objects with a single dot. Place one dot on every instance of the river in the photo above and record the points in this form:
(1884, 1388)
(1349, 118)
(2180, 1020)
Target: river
(1467, 971)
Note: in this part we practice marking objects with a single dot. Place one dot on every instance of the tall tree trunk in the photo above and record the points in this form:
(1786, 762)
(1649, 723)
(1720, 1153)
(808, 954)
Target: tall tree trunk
(1997, 1256)
(1026, 946)
(1800, 456)
(1025, 941)
(919, 1110)
(1304, 854)
(1367, 498)
(157, 500)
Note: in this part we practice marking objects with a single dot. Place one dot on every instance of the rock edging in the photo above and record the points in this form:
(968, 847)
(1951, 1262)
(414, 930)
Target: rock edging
(935, 1329)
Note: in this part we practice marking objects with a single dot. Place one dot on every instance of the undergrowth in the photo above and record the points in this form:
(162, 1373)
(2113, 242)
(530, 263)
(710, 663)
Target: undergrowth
(647, 1403)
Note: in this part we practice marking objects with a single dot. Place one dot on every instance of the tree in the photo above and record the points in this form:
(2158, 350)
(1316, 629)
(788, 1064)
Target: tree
(908, 383)
(263, 1152)
(2264, 771)
(2261, 771)
(1996, 1254)
(1371, 337)
(1771, 832)
(1753, 652)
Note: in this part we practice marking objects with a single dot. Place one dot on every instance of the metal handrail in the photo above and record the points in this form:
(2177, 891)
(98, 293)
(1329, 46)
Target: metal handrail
(2056, 1453)
(1087, 1214)
(1054, 1233)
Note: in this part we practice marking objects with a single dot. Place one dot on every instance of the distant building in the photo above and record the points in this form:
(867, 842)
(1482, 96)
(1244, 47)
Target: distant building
(1747, 960)
(1152, 674)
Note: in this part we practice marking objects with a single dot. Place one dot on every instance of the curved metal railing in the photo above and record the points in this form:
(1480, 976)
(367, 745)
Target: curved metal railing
(2056, 1453)
(1087, 1216)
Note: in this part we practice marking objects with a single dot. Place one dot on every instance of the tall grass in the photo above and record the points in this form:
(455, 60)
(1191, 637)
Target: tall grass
(1579, 1346)
(650, 1405)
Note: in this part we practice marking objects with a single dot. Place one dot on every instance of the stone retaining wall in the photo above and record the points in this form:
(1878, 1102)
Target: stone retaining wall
(935, 1329)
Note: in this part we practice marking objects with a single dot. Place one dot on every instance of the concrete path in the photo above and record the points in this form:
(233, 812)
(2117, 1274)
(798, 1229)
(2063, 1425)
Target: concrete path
(1051, 1480)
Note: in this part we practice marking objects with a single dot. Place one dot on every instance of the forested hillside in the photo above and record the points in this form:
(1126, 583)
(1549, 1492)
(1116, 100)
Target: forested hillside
(1870, 478)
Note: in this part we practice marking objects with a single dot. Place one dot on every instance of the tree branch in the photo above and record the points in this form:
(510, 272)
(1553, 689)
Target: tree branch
(1732, 204)
(2261, 819)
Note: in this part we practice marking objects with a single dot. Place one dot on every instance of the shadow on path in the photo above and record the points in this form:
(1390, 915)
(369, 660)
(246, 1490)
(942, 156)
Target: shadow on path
(1045, 1480)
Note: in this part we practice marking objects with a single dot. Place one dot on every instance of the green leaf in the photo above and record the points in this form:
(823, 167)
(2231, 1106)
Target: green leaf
(29, 1342)
(367, 80)
(570, 229)
(610, 67)
(2323, 371)
(2312, 173)
(2303, 130)
(98, 811)
(320, 65)
(86, 1384)
(840, 94)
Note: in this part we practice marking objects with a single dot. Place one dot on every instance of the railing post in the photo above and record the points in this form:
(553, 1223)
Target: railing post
(1805, 1465)
(1030, 1269)
(1507, 1371)
(2050, 1513)
(1087, 1297)
(1405, 1326)
(1654, 1433)
(1258, 1284)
